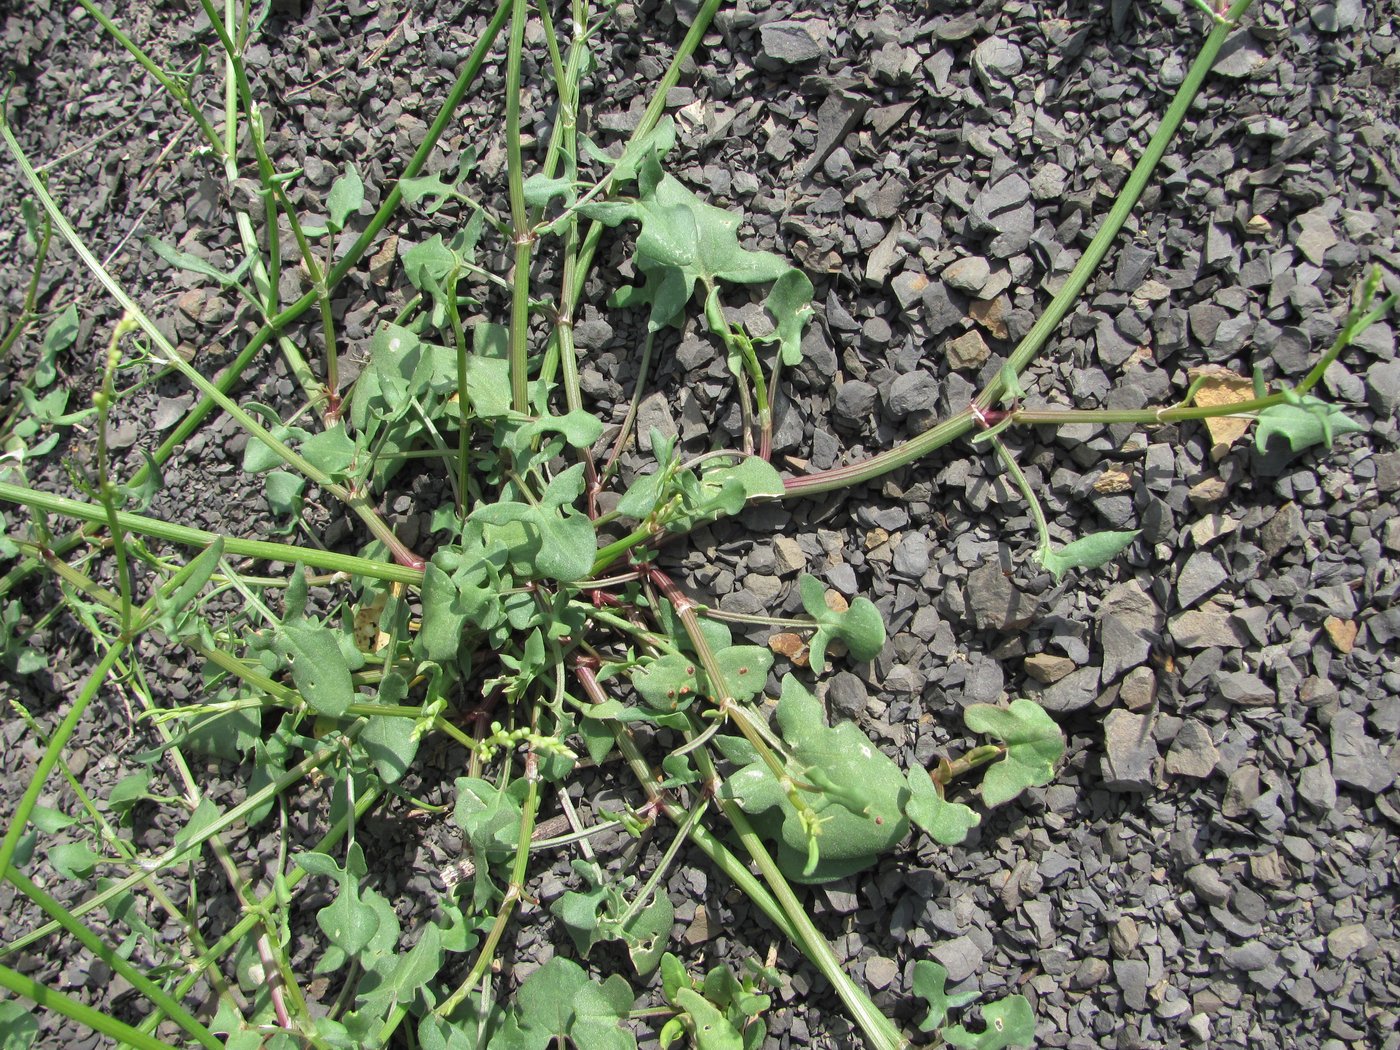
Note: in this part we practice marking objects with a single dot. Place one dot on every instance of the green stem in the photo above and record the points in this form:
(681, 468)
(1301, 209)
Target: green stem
(519, 215)
(470, 70)
(355, 501)
(176, 90)
(106, 490)
(121, 966)
(185, 536)
(59, 1003)
(221, 823)
(28, 312)
(1042, 527)
(528, 809)
(20, 819)
(878, 1028)
(952, 429)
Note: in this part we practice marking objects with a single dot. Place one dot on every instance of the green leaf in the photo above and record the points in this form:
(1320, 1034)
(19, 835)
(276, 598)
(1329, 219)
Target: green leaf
(50, 820)
(74, 860)
(683, 240)
(1033, 742)
(348, 922)
(346, 196)
(488, 815)
(1010, 1022)
(860, 796)
(488, 371)
(129, 790)
(790, 303)
(18, 1027)
(647, 934)
(399, 978)
(283, 490)
(539, 190)
(947, 822)
(929, 978)
(580, 428)
(642, 496)
(755, 475)
(61, 334)
(671, 682)
(390, 740)
(560, 1001)
(319, 668)
(1310, 422)
(430, 267)
(192, 263)
(711, 1029)
(860, 626)
(331, 450)
(560, 542)
(414, 190)
(1087, 552)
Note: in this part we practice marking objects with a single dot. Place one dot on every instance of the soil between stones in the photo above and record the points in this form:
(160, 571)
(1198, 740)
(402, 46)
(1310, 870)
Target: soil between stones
(1215, 864)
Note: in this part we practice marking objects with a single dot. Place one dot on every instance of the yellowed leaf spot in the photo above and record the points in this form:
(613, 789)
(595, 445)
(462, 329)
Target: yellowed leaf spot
(1223, 387)
(368, 637)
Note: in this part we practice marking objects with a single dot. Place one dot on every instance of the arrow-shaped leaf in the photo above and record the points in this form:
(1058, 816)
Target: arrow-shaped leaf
(1033, 741)
(1010, 1022)
(929, 979)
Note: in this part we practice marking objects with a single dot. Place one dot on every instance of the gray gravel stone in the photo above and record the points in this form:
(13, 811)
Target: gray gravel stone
(967, 351)
(1130, 751)
(941, 310)
(847, 695)
(1250, 956)
(1241, 56)
(994, 602)
(792, 43)
(1072, 693)
(996, 60)
(1089, 973)
(911, 556)
(1193, 753)
(1129, 625)
(1246, 689)
(1204, 628)
(1349, 940)
(1317, 786)
(1383, 387)
(1201, 575)
(968, 275)
(854, 402)
(911, 392)
(1131, 975)
(1356, 758)
(1207, 884)
(961, 957)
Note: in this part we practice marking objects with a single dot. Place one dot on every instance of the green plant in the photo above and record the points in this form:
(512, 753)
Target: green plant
(539, 632)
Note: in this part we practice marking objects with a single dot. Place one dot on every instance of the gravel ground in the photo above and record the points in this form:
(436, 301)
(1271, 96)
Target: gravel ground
(1215, 865)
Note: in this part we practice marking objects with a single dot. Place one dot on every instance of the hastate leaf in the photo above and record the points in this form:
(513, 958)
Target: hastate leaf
(860, 625)
(319, 669)
(1088, 552)
(1010, 1022)
(1309, 422)
(346, 196)
(947, 822)
(1033, 742)
(859, 798)
(929, 979)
